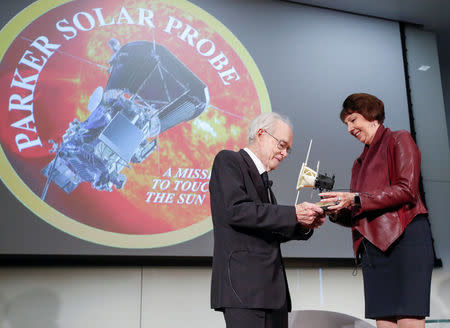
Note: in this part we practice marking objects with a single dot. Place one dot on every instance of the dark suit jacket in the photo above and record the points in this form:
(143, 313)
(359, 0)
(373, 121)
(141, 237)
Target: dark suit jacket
(248, 271)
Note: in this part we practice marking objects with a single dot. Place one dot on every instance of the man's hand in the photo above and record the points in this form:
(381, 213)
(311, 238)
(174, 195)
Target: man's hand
(310, 215)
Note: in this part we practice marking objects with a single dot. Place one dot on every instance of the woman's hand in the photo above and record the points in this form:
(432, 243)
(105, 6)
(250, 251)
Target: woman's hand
(340, 199)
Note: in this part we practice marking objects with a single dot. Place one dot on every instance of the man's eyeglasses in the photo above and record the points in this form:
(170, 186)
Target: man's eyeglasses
(281, 145)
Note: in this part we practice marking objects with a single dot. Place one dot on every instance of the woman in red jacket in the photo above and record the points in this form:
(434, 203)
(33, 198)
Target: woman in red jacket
(391, 232)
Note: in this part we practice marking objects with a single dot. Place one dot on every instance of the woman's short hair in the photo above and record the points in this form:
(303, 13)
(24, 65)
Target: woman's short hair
(265, 121)
(369, 106)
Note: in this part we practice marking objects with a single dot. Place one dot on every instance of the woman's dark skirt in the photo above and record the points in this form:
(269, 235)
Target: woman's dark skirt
(397, 282)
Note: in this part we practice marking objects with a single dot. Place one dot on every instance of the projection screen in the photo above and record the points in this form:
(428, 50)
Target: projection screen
(112, 112)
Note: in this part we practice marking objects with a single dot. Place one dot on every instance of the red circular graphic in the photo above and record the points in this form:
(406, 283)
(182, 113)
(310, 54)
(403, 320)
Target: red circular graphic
(122, 50)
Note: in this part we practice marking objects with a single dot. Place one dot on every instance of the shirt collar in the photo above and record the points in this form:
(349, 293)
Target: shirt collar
(259, 165)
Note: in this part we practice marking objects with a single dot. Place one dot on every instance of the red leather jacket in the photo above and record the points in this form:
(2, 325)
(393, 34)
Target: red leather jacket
(387, 177)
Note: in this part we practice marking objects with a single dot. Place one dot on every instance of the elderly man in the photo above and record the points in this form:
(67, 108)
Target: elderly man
(248, 278)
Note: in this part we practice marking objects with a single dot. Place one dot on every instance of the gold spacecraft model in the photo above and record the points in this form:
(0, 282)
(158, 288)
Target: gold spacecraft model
(308, 178)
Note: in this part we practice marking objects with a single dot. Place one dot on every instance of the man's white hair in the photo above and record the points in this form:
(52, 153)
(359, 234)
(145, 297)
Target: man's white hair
(265, 121)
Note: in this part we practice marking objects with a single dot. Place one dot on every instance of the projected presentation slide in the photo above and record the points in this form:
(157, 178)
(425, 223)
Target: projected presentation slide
(112, 113)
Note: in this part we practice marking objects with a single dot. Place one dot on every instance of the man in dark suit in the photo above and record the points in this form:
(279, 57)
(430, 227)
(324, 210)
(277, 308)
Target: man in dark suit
(248, 277)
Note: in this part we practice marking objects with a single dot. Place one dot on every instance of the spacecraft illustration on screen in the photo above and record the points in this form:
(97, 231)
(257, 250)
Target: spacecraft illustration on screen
(149, 90)
(308, 178)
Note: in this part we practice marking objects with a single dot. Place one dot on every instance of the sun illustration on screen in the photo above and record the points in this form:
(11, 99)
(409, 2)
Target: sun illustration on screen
(114, 112)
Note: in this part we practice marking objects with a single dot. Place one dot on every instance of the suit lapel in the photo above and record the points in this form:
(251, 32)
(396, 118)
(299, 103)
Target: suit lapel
(254, 175)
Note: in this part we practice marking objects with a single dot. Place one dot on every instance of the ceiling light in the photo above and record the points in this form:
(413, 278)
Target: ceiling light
(424, 68)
